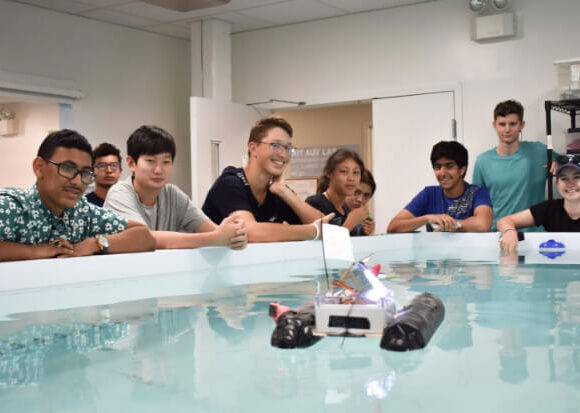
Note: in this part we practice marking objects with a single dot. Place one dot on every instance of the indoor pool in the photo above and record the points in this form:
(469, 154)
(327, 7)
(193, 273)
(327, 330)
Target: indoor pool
(197, 337)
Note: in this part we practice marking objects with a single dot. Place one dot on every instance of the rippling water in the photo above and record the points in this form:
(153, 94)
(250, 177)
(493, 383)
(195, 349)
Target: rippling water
(510, 342)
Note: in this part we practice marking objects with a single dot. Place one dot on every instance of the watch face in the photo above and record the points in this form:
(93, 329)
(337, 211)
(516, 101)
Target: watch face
(103, 242)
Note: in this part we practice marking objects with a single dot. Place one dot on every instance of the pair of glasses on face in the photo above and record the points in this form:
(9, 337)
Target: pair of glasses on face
(102, 166)
(70, 171)
(568, 159)
(278, 148)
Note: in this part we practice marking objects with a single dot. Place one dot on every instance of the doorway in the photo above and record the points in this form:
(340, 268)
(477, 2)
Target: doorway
(405, 128)
(395, 141)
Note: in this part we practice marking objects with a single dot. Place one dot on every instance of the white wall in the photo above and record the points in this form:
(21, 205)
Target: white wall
(364, 55)
(222, 121)
(35, 120)
(129, 77)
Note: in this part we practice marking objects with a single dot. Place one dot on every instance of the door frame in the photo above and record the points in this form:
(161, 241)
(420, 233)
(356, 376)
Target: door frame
(370, 95)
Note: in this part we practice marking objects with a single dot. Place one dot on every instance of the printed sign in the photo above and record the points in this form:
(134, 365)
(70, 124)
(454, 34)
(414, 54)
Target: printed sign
(311, 161)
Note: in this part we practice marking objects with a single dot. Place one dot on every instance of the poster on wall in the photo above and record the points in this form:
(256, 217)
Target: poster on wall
(309, 162)
(304, 187)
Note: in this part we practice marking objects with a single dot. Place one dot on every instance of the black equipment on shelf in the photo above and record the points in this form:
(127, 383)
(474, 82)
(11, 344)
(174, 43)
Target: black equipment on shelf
(569, 107)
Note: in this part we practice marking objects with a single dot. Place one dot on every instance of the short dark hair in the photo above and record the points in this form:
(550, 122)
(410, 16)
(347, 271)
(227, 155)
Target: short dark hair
(150, 140)
(106, 149)
(66, 138)
(509, 107)
(367, 178)
(332, 163)
(451, 150)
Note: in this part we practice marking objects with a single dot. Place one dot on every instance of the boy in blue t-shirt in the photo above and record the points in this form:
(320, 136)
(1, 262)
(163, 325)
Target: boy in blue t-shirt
(453, 205)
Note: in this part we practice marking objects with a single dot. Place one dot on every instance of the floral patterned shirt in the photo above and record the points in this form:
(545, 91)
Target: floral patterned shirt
(25, 219)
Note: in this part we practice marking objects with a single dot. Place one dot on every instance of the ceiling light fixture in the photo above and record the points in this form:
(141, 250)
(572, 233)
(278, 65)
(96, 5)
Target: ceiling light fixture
(186, 5)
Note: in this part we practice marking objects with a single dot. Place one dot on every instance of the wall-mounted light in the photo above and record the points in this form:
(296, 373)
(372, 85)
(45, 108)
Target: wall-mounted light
(5, 113)
(8, 125)
(488, 6)
(477, 5)
(500, 4)
(493, 21)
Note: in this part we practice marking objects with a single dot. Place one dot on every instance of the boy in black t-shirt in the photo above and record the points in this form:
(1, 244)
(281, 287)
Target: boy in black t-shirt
(258, 193)
(556, 215)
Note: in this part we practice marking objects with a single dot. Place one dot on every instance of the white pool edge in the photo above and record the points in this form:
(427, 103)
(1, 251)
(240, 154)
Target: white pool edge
(66, 283)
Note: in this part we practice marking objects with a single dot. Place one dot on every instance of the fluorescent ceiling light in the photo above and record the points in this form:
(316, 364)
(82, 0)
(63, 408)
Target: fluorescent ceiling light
(186, 5)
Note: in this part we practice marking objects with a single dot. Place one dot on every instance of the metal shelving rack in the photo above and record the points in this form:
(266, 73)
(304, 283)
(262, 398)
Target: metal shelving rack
(569, 107)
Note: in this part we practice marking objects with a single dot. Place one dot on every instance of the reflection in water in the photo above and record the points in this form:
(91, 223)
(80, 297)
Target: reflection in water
(512, 356)
(456, 333)
(564, 355)
(211, 353)
(23, 356)
(68, 372)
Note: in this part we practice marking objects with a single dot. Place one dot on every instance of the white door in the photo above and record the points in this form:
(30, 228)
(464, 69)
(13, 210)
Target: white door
(219, 137)
(405, 128)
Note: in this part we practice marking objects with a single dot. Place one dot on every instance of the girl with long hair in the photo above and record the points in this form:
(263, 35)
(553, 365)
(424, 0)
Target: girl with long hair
(341, 177)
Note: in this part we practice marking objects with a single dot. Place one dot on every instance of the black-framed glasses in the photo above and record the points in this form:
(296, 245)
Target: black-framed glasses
(70, 171)
(570, 158)
(279, 148)
(102, 166)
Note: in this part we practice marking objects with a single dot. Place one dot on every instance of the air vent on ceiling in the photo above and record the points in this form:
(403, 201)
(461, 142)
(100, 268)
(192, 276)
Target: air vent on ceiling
(186, 5)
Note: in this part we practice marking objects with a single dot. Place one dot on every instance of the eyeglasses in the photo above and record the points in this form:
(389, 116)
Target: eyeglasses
(115, 166)
(70, 171)
(278, 148)
(566, 159)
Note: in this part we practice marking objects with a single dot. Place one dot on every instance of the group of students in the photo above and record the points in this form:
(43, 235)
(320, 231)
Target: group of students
(507, 191)
(253, 204)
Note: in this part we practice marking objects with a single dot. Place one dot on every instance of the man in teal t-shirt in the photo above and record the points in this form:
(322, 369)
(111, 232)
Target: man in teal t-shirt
(513, 171)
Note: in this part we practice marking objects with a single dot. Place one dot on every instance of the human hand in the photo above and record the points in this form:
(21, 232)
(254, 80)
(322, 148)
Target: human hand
(240, 240)
(368, 226)
(83, 248)
(509, 240)
(359, 215)
(56, 248)
(278, 185)
(318, 224)
(325, 219)
(233, 233)
(443, 222)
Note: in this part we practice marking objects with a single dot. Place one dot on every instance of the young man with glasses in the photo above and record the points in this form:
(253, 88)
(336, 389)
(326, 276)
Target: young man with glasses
(514, 171)
(53, 219)
(107, 169)
(258, 193)
(147, 197)
(453, 205)
(556, 215)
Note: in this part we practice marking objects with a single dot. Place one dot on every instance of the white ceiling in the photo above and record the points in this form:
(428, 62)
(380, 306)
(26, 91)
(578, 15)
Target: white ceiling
(241, 14)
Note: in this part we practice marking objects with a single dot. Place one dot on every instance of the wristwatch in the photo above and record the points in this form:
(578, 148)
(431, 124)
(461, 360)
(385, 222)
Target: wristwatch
(103, 243)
